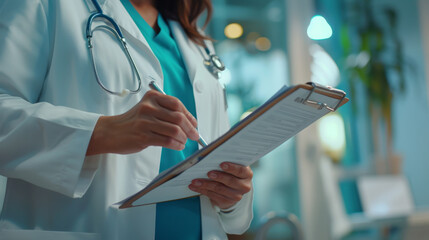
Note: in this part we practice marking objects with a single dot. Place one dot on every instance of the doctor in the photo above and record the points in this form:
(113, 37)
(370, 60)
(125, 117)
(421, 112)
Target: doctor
(81, 130)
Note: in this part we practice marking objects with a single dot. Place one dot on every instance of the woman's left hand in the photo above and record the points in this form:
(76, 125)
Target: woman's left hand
(225, 188)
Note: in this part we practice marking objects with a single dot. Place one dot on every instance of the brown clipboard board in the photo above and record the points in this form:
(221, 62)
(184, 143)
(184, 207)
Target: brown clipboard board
(176, 170)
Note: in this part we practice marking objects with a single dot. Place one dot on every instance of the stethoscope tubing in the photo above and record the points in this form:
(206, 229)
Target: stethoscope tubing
(213, 63)
(115, 30)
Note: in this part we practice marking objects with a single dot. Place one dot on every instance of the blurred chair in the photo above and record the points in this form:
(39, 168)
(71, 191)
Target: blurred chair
(332, 200)
(386, 200)
(385, 196)
(272, 218)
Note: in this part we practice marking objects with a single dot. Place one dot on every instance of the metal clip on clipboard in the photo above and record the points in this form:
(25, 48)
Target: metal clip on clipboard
(320, 105)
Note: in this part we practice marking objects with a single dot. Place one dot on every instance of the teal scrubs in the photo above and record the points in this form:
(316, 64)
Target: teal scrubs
(179, 219)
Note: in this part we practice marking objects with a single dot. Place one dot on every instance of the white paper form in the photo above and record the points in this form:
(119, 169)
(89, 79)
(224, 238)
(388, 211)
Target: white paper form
(278, 124)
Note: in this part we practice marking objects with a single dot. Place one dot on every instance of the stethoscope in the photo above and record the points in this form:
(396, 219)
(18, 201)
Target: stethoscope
(212, 62)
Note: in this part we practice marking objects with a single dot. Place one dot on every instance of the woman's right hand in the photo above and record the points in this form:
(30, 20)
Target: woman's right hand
(157, 120)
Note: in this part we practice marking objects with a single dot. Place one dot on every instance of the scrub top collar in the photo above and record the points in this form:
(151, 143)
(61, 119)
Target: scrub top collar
(144, 26)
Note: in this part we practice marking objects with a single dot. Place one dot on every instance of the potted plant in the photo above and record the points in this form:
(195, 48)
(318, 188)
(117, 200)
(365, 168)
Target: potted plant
(374, 63)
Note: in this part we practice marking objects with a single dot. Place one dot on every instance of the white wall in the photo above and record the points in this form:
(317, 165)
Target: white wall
(411, 110)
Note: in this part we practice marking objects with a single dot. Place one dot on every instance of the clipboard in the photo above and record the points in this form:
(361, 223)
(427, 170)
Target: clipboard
(305, 102)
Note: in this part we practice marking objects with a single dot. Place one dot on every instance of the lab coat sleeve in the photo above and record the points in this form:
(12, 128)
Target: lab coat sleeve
(40, 143)
(238, 220)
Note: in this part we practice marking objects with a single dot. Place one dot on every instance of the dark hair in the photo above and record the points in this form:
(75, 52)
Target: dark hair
(186, 12)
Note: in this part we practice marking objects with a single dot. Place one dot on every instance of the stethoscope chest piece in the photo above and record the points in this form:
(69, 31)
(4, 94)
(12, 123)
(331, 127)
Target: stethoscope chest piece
(212, 62)
(214, 65)
(217, 62)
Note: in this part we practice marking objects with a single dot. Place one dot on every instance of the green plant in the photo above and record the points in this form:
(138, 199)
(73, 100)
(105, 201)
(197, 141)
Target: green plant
(374, 62)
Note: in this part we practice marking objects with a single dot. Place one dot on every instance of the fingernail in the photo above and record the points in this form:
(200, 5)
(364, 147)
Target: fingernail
(224, 166)
(196, 135)
(181, 147)
(197, 183)
(212, 175)
(193, 119)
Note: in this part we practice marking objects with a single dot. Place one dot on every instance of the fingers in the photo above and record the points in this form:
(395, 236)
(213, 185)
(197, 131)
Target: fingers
(237, 170)
(176, 105)
(168, 142)
(225, 188)
(166, 134)
(218, 193)
(169, 109)
(157, 120)
(180, 120)
(242, 186)
(218, 199)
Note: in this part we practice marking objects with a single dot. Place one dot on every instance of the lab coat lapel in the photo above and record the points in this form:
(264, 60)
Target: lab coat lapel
(200, 80)
(188, 49)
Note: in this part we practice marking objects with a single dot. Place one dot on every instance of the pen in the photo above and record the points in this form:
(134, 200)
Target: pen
(155, 87)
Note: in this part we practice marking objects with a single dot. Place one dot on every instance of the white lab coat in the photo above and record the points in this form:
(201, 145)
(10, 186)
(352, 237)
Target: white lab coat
(49, 105)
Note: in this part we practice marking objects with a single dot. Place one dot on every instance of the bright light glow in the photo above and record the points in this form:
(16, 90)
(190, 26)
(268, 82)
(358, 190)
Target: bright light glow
(323, 68)
(263, 44)
(319, 28)
(247, 113)
(233, 30)
(225, 77)
(332, 135)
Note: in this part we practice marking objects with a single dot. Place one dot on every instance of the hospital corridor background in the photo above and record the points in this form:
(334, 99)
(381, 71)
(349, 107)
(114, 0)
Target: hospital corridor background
(361, 172)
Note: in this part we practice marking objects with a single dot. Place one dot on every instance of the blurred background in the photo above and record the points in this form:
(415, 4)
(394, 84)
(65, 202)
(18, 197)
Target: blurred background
(358, 173)
(363, 171)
